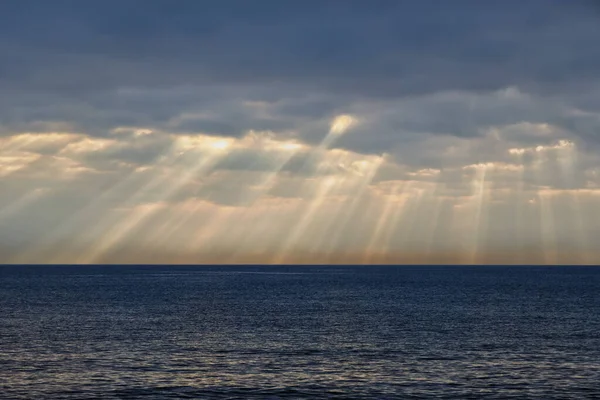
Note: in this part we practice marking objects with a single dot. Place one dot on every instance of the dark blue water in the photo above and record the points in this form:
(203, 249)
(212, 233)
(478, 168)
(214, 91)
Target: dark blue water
(300, 332)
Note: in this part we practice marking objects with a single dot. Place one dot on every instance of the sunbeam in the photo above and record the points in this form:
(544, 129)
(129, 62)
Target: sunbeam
(325, 186)
(20, 204)
(119, 230)
(400, 233)
(364, 172)
(546, 213)
(478, 217)
(429, 247)
(521, 201)
(377, 243)
(283, 153)
(338, 127)
(548, 228)
(567, 159)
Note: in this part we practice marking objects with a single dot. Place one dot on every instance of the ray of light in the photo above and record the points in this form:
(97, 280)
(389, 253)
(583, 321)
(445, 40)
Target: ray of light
(381, 230)
(16, 143)
(392, 241)
(21, 141)
(338, 127)
(22, 202)
(215, 228)
(547, 226)
(223, 226)
(269, 179)
(97, 206)
(170, 226)
(339, 220)
(403, 230)
(581, 230)
(480, 199)
(544, 198)
(277, 217)
(87, 216)
(231, 227)
(285, 152)
(326, 186)
(22, 150)
(433, 225)
(327, 239)
(520, 200)
(173, 223)
(165, 223)
(119, 230)
(128, 224)
(419, 214)
(568, 159)
(14, 162)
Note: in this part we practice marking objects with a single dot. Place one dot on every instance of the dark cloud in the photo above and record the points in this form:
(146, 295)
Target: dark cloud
(96, 66)
(414, 69)
(384, 48)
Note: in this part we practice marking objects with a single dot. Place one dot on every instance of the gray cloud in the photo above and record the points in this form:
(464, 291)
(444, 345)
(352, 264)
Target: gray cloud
(119, 63)
(392, 47)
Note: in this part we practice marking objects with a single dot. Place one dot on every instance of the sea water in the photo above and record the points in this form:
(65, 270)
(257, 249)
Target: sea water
(322, 332)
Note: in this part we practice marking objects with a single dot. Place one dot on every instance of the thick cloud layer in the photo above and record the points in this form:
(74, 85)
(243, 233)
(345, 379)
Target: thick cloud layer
(129, 62)
(387, 47)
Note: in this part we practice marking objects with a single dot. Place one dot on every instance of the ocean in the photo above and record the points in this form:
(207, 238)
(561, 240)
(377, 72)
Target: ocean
(301, 332)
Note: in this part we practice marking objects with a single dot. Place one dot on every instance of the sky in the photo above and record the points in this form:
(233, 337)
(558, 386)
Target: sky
(316, 131)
